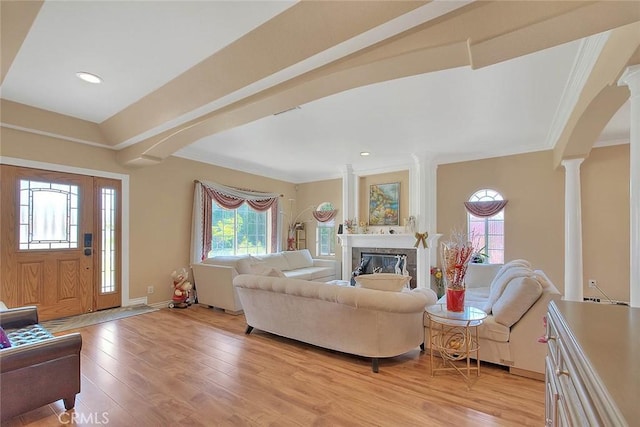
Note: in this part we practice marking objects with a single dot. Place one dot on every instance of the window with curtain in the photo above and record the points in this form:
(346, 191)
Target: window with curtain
(232, 221)
(326, 238)
(485, 219)
(239, 231)
(326, 229)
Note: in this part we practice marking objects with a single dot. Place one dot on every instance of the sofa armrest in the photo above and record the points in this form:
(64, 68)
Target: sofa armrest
(324, 262)
(19, 317)
(328, 263)
(526, 350)
(432, 297)
(27, 355)
(214, 286)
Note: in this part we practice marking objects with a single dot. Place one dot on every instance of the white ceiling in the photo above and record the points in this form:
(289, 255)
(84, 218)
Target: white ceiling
(137, 47)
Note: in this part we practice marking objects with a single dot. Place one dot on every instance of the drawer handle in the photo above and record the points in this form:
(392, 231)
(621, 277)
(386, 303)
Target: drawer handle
(560, 372)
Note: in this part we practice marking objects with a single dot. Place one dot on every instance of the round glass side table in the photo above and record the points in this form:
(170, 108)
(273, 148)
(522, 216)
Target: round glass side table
(454, 335)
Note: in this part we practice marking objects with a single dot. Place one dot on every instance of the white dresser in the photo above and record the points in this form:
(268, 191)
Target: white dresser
(593, 365)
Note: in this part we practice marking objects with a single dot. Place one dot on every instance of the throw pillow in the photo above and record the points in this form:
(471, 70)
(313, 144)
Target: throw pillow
(243, 266)
(519, 295)
(502, 279)
(4, 340)
(383, 281)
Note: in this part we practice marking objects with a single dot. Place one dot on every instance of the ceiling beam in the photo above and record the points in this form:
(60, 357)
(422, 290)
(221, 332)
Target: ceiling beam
(300, 32)
(445, 42)
(600, 97)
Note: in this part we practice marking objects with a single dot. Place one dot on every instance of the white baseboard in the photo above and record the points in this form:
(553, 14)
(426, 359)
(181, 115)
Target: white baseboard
(161, 304)
(135, 301)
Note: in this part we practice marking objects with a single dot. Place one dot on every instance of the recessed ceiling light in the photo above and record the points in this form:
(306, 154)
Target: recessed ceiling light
(88, 77)
(365, 153)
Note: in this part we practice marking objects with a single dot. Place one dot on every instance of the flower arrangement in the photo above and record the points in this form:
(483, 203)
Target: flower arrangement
(456, 254)
(436, 272)
(350, 225)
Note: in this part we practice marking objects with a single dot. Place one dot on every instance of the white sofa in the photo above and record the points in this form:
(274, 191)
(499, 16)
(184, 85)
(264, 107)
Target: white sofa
(516, 298)
(214, 276)
(365, 322)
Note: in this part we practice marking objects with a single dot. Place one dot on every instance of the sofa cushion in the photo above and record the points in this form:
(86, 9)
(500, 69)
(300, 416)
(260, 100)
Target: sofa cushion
(480, 275)
(298, 259)
(513, 269)
(276, 260)
(269, 271)
(519, 295)
(383, 281)
(226, 260)
(245, 265)
(28, 335)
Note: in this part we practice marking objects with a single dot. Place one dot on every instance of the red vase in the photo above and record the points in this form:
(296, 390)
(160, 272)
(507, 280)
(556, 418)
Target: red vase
(455, 299)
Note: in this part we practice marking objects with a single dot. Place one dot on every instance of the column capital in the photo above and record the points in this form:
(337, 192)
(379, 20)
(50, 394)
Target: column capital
(631, 78)
(572, 163)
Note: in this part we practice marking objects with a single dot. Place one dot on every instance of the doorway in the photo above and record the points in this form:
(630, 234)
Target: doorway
(61, 241)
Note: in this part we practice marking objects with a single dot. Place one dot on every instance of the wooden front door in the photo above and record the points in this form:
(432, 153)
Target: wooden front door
(48, 242)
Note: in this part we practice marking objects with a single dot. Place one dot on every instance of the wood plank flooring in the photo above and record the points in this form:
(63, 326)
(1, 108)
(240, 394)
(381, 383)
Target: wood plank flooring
(196, 367)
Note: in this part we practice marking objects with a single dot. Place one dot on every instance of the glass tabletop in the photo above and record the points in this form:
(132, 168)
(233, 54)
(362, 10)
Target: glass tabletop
(470, 314)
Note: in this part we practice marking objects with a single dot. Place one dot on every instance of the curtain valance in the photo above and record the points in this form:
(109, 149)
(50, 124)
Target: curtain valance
(486, 208)
(230, 198)
(233, 198)
(324, 216)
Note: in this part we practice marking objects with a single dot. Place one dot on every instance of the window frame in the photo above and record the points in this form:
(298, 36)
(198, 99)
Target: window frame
(331, 238)
(494, 255)
(237, 249)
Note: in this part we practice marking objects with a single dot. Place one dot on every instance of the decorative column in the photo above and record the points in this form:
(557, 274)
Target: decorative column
(631, 78)
(349, 209)
(422, 205)
(573, 275)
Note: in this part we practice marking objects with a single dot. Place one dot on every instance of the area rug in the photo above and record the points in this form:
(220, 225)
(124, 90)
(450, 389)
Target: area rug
(88, 319)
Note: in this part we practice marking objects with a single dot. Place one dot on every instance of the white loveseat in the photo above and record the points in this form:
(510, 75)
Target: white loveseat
(365, 322)
(214, 276)
(516, 298)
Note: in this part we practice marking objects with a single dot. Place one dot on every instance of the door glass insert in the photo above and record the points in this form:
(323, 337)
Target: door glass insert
(48, 215)
(108, 249)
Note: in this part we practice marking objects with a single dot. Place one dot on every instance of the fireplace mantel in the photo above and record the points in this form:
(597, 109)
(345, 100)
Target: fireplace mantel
(397, 241)
(378, 240)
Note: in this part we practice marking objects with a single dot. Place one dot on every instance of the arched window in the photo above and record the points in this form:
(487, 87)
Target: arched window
(485, 219)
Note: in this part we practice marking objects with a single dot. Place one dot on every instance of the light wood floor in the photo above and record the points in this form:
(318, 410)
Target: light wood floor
(196, 367)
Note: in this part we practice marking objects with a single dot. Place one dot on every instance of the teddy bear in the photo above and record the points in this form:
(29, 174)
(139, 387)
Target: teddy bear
(181, 288)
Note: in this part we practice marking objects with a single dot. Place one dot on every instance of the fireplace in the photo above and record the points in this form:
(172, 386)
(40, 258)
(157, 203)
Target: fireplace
(419, 257)
(385, 260)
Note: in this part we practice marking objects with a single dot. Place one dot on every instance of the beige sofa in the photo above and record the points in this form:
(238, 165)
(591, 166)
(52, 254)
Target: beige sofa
(365, 322)
(516, 298)
(214, 276)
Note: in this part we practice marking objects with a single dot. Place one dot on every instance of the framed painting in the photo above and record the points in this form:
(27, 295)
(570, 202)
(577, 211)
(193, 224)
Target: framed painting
(384, 201)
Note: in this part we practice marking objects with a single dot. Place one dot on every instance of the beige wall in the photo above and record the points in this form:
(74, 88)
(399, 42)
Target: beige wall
(161, 200)
(605, 221)
(534, 216)
(534, 222)
(314, 193)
